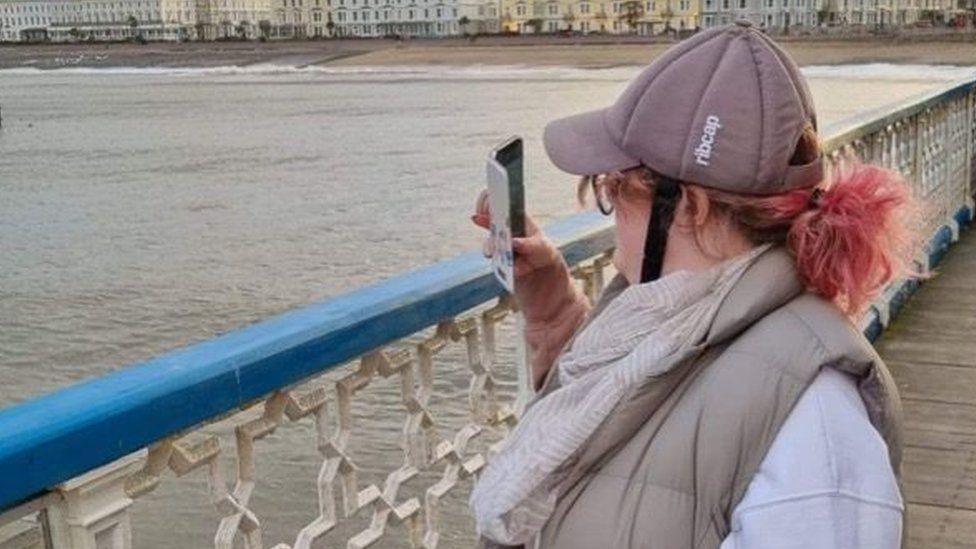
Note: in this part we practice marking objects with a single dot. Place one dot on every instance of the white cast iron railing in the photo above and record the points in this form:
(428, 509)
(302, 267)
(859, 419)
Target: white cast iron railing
(74, 463)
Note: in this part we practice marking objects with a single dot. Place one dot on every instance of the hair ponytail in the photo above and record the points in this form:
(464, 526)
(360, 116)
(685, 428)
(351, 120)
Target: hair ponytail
(857, 236)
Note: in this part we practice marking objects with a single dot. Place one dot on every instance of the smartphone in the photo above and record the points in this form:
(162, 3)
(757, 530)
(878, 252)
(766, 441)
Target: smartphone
(506, 200)
(509, 155)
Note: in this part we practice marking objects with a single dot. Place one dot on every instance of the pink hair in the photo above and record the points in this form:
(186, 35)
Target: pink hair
(849, 242)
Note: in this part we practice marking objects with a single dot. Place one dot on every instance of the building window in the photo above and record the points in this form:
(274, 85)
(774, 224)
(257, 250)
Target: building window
(553, 9)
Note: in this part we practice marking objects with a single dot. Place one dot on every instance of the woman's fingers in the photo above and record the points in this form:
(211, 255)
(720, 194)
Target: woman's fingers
(481, 220)
(533, 253)
(482, 215)
(536, 250)
(488, 248)
(481, 203)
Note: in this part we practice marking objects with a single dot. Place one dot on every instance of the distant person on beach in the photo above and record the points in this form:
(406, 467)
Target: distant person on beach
(719, 394)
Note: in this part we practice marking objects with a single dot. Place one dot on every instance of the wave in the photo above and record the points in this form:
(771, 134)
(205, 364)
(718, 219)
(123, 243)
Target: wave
(869, 71)
(376, 71)
(890, 71)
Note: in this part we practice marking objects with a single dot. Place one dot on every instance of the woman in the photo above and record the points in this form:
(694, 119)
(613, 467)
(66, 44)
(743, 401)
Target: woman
(718, 395)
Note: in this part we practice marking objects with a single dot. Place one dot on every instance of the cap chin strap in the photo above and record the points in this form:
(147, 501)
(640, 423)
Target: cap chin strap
(663, 201)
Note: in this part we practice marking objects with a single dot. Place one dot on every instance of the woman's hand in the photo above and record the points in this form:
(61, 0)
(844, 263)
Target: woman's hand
(542, 279)
(551, 303)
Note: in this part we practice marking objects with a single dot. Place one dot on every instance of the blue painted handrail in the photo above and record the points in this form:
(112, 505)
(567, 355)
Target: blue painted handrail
(50, 439)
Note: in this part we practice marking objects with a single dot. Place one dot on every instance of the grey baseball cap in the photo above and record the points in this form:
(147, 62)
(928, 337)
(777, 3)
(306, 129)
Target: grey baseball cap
(724, 109)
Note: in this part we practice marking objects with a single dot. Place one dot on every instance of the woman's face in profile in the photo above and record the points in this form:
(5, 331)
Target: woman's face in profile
(631, 215)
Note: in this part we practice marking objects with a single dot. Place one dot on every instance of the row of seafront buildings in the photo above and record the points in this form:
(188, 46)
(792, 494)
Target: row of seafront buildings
(105, 20)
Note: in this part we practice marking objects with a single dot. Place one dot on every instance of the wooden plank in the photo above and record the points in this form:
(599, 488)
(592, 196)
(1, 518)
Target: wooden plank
(963, 300)
(929, 381)
(947, 288)
(928, 336)
(940, 477)
(928, 317)
(933, 349)
(932, 527)
(939, 424)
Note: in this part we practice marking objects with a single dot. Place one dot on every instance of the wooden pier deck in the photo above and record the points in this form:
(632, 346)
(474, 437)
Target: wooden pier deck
(930, 348)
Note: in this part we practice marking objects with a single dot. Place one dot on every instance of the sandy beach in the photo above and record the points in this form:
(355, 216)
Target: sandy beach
(609, 55)
(584, 52)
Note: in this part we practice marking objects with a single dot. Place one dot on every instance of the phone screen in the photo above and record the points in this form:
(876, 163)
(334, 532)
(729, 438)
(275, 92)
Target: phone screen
(509, 155)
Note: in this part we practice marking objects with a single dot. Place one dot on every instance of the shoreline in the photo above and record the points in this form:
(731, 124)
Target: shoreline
(579, 52)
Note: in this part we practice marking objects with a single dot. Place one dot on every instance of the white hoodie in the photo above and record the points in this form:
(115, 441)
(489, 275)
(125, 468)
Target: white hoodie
(826, 482)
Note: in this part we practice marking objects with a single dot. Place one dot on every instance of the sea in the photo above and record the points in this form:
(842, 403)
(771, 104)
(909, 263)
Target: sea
(145, 209)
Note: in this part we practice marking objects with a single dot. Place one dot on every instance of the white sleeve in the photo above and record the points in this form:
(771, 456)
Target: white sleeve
(817, 521)
(826, 482)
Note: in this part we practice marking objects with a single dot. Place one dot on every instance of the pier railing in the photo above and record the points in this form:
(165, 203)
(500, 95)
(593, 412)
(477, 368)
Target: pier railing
(76, 464)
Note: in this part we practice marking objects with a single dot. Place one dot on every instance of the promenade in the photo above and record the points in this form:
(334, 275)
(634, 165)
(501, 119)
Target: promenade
(931, 351)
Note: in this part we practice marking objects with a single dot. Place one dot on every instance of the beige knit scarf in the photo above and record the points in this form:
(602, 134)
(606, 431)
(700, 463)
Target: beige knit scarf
(624, 344)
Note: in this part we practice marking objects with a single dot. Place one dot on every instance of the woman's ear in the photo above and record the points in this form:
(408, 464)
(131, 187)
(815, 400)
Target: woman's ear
(693, 208)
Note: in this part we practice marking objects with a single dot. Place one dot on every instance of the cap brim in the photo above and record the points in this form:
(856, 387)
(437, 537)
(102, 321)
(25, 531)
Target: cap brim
(581, 145)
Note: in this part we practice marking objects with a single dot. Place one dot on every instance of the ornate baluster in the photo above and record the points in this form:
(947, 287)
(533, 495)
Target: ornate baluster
(238, 518)
(315, 403)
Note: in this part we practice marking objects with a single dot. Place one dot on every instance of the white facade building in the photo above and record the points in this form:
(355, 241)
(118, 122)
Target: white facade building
(772, 15)
(218, 19)
(413, 17)
(479, 16)
(17, 18)
(300, 19)
(105, 20)
(785, 15)
(63, 20)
